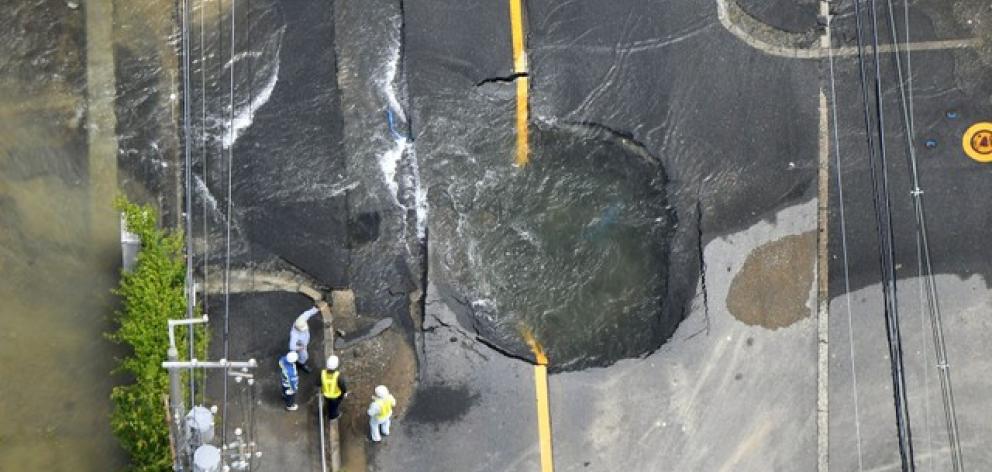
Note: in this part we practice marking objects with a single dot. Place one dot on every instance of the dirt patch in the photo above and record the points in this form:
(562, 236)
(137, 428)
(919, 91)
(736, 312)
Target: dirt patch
(388, 360)
(773, 286)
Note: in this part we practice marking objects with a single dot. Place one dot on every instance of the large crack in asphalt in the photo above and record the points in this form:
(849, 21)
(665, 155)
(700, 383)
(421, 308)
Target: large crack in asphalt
(502, 79)
(702, 264)
(625, 139)
(472, 338)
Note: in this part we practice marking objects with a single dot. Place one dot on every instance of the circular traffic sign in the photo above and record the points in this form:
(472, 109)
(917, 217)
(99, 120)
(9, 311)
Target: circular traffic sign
(977, 142)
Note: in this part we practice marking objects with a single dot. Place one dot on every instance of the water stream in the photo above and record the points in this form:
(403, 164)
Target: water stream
(59, 251)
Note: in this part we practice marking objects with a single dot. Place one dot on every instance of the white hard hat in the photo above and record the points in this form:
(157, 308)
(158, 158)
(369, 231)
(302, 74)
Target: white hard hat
(292, 356)
(381, 391)
(332, 362)
(301, 324)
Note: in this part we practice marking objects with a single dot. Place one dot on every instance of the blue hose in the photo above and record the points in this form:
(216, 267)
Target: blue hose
(391, 120)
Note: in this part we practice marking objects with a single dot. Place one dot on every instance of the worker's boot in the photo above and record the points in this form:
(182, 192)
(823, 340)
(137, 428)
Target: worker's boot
(303, 367)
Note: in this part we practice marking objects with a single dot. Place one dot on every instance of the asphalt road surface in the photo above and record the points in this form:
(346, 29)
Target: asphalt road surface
(377, 147)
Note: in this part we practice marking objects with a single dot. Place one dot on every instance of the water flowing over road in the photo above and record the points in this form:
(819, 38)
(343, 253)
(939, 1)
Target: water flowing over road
(671, 245)
(59, 251)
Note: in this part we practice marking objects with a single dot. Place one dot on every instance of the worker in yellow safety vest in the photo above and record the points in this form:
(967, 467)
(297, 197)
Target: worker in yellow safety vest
(380, 412)
(332, 387)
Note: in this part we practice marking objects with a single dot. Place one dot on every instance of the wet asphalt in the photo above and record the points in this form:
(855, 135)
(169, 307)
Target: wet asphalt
(733, 129)
(950, 91)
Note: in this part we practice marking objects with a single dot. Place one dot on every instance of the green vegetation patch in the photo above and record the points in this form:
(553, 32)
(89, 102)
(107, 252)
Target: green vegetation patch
(150, 295)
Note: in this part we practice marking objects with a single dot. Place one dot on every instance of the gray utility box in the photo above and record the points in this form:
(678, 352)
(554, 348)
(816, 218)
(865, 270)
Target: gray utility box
(130, 245)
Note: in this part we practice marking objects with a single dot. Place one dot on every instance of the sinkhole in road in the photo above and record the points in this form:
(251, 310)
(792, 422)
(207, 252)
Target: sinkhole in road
(574, 248)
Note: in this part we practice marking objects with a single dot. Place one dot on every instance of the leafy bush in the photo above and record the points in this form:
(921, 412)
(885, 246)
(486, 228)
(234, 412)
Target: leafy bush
(151, 294)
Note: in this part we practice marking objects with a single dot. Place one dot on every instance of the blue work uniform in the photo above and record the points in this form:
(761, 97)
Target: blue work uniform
(290, 381)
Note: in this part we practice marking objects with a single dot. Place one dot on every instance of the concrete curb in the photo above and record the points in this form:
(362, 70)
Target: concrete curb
(724, 7)
(251, 281)
(344, 304)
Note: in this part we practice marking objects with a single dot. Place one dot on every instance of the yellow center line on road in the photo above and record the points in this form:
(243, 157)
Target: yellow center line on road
(541, 392)
(543, 417)
(517, 32)
(523, 82)
(523, 147)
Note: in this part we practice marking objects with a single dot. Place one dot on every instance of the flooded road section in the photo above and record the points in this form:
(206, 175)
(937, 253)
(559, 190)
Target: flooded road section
(86, 110)
(574, 248)
(58, 250)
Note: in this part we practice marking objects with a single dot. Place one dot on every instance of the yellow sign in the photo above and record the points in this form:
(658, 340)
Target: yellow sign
(977, 142)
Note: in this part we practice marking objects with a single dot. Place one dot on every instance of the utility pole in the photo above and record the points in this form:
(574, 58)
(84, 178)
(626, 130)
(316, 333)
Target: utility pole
(177, 406)
(176, 403)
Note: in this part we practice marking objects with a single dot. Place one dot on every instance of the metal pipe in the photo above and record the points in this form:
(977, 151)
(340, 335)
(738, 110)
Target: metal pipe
(202, 319)
(221, 364)
(175, 390)
(188, 321)
(320, 413)
(176, 405)
(240, 375)
(188, 182)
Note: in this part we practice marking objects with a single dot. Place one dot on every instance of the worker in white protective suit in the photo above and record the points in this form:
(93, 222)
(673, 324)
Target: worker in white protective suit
(380, 412)
(299, 336)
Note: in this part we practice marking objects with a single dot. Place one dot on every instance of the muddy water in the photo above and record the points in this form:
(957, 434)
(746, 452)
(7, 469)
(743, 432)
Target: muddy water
(773, 286)
(58, 250)
(573, 249)
(84, 87)
(53, 359)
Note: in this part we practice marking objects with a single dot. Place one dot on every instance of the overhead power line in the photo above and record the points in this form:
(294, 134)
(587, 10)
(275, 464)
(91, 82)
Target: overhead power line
(188, 213)
(933, 306)
(843, 239)
(227, 239)
(883, 223)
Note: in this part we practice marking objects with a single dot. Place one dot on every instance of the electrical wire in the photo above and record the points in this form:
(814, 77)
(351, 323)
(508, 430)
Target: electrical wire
(203, 152)
(910, 152)
(883, 222)
(243, 399)
(188, 217)
(843, 240)
(203, 173)
(909, 67)
(227, 260)
(933, 307)
(924, 355)
(250, 418)
(900, 395)
(251, 422)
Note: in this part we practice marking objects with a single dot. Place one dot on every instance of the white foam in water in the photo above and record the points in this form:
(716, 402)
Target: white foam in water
(389, 161)
(241, 55)
(243, 117)
(205, 192)
(207, 195)
(342, 189)
(390, 78)
(419, 198)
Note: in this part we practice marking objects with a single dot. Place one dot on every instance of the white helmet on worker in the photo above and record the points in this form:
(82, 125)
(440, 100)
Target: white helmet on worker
(332, 362)
(381, 391)
(301, 324)
(292, 357)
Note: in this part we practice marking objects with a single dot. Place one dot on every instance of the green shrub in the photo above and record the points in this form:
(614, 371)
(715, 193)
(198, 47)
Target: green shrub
(150, 295)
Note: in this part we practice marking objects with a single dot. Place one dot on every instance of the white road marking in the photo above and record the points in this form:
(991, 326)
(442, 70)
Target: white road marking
(822, 51)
